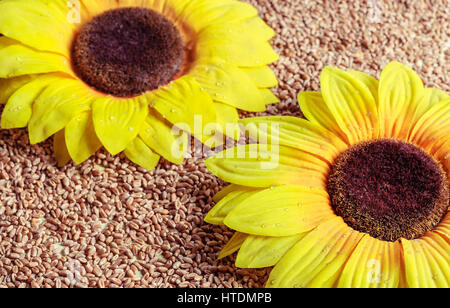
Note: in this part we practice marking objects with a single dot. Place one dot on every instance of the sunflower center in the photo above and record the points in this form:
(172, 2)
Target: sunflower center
(126, 52)
(389, 189)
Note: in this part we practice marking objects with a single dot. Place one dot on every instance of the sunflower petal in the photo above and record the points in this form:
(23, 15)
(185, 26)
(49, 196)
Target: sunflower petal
(18, 110)
(38, 24)
(62, 100)
(432, 126)
(117, 122)
(231, 43)
(17, 60)
(139, 153)
(225, 191)
(228, 117)
(268, 97)
(316, 111)
(351, 103)
(280, 211)
(296, 133)
(262, 251)
(228, 84)
(262, 77)
(223, 207)
(317, 259)
(10, 85)
(233, 245)
(400, 92)
(373, 264)
(181, 102)
(60, 149)
(426, 262)
(444, 228)
(430, 98)
(81, 139)
(158, 135)
(371, 82)
(203, 13)
(265, 166)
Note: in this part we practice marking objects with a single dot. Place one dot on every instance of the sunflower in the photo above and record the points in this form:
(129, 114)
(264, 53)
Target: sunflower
(360, 194)
(121, 73)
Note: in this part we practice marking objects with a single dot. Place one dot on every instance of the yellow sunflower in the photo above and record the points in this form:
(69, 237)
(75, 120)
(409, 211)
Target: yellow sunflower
(360, 194)
(121, 73)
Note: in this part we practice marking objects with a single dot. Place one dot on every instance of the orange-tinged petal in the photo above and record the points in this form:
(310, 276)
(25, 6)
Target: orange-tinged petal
(373, 264)
(427, 261)
(315, 110)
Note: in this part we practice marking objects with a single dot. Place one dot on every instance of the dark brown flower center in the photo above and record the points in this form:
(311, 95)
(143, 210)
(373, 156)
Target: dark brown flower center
(126, 52)
(389, 189)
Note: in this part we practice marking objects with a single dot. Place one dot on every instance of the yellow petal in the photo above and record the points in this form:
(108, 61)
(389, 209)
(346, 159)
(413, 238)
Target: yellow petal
(139, 153)
(443, 228)
(17, 60)
(268, 97)
(62, 100)
(262, 251)
(224, 192)
(10, 85)
(256, 26)
(97, 7)
(228, 117)
(351, 103)
(265, 166)
(229, 42)
(296, 133)
(39, 24)
(373, 264)
(117, 122)
(60, 149)
(432, 126)
(159, 136)
(203, 13)
(228, 84)
(280, 211)
(441, 151)
(315, 110)
(262, 77)
(430, 98)
(233, 245)
(223, 207)
(371, 83)
(181, 102)
(317, 260)
(81, 139)
(400, 92)
(426, 261)
(18, 110)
